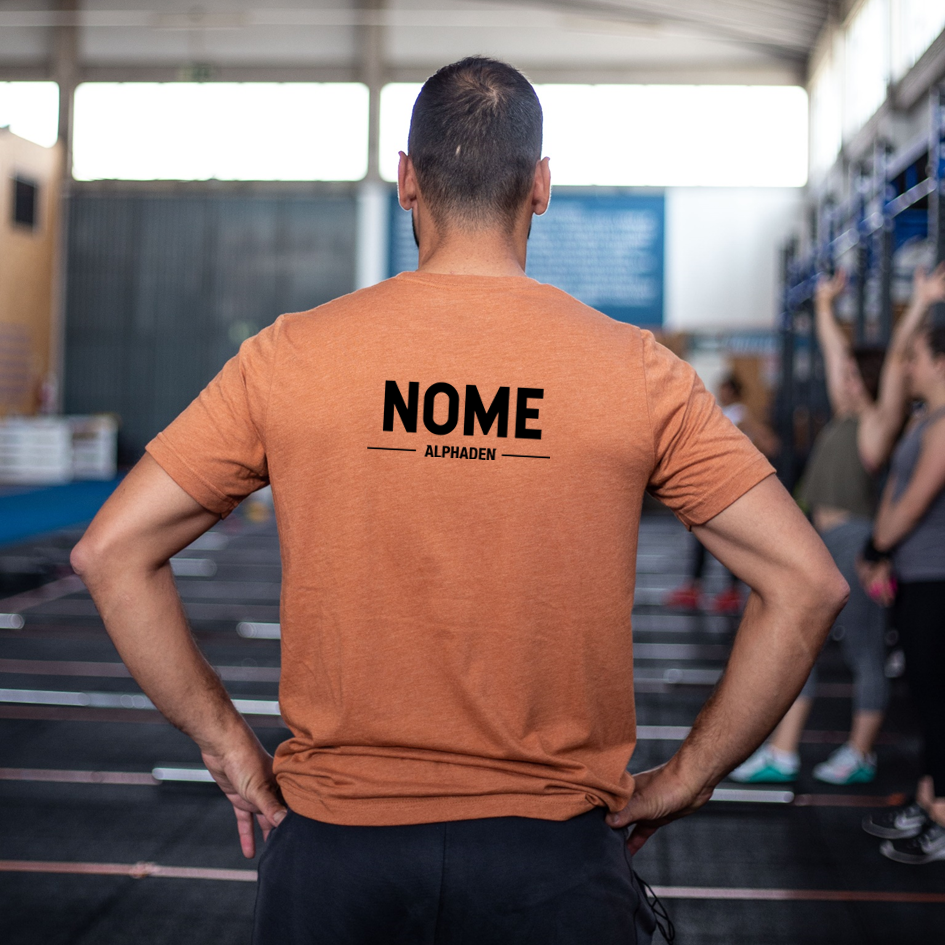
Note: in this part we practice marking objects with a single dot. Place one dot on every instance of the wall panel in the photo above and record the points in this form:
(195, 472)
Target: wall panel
(163, 287)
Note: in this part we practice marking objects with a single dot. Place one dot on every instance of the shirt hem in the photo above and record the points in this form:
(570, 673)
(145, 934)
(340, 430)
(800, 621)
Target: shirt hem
(742, 481)
(390, 812)
(188, 479)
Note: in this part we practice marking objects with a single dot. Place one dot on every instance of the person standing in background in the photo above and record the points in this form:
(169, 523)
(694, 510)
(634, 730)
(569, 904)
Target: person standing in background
(908, 544)
(868, 397)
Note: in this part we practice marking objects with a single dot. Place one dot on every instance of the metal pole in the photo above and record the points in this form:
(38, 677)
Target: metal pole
(862, 261)
(937, 173)
(787, 459)
(884, 242)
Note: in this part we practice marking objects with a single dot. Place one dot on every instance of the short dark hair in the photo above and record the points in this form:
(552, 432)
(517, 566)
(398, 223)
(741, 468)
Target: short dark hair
(869, 362)
(475, 138)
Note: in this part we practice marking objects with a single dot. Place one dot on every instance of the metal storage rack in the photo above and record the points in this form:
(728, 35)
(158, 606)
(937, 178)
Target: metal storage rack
(893, 199)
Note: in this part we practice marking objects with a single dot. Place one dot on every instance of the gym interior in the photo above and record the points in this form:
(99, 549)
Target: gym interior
(173, 177)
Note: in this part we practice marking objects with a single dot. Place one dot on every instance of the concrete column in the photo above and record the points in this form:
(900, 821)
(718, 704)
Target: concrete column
(373, 196)
(65, 69)
(65, 55)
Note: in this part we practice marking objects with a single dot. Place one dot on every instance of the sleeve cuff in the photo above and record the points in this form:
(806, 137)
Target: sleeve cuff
(717, 500)
(201, 491)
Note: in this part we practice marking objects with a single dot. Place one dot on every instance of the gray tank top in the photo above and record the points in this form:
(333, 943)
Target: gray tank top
(920, 556)
(835, 476)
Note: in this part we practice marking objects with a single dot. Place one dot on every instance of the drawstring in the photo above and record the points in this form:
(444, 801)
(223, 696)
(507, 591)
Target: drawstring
(663, 922)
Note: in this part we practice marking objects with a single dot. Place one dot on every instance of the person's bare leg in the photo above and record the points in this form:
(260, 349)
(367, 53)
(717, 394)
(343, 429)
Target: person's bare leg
(787, 736)
(865, 728)
(924, 795)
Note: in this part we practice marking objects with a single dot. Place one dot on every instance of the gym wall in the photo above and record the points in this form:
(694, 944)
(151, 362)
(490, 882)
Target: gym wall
(164, 286)
(29, 187)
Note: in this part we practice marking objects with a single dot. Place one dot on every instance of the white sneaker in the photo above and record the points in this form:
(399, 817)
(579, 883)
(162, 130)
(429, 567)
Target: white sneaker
(768, 766)
(847, 766)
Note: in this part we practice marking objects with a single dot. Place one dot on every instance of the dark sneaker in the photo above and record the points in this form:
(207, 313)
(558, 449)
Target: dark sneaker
(896, 823)
(927, 846)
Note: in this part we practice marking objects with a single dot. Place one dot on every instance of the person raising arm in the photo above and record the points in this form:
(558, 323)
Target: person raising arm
(908, 544)
(868, 400)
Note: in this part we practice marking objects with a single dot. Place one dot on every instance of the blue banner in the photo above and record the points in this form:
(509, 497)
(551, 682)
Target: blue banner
(605, 249)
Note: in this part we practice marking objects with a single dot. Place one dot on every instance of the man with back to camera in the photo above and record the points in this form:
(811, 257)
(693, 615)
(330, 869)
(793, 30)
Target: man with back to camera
(458, 457)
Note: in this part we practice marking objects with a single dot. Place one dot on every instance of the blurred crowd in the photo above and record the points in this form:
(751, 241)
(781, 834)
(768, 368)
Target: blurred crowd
(874, 488)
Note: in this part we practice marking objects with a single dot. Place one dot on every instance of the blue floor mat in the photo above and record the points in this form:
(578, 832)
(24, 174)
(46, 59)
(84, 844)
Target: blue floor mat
(28, 511)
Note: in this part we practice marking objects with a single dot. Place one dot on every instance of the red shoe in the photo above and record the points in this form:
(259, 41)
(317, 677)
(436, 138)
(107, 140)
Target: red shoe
(728, 603)
(686, 597)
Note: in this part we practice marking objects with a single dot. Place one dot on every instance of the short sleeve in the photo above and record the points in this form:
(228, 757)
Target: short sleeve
(702, 461)
(216, 449)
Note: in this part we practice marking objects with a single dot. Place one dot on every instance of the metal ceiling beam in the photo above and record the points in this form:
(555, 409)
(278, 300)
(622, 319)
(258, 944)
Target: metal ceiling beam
(682, 73)
(633, 12)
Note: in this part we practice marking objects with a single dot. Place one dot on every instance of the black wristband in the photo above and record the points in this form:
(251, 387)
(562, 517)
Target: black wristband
(871, 553)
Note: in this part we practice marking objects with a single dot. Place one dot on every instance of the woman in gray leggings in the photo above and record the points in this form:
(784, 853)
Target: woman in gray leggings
(868, 397)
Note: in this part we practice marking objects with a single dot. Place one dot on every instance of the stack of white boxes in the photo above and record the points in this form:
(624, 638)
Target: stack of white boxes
(45, 450)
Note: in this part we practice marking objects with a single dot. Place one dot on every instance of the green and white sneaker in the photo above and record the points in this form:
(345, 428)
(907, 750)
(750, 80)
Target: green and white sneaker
(768, 766)
(847, 766)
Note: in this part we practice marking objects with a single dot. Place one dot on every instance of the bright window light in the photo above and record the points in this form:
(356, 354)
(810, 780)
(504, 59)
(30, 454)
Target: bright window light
(866, 64)
(826, 114)
(31, 109)
(915, 26)
(396, 106)
(652, 135)
(223, 131)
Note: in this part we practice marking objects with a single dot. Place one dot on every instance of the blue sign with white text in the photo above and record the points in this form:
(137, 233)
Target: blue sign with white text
(605, 249)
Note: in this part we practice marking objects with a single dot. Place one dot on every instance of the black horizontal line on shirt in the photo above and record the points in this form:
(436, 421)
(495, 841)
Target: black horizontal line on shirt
(393, 449)
(525, 456)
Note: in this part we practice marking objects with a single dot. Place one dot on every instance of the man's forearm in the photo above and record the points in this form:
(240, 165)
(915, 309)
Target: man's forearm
(143, 615)
(774, 650)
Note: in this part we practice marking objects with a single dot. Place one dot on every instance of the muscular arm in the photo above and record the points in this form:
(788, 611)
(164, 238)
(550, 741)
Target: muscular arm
(880, 424)
(796, 592)
(124, 559)
(897, 518)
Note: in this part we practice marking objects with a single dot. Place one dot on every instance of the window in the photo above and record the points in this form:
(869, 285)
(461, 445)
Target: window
(31, 110)
(25, 194)
(915, 26)
(652, 135)
(866, 64)
(220, 130)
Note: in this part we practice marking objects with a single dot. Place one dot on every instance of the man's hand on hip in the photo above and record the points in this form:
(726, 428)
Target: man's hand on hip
(659, 797)
(243, 771)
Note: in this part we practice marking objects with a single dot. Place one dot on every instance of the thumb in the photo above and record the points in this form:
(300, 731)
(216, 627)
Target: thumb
(636, 809)
(265, 798)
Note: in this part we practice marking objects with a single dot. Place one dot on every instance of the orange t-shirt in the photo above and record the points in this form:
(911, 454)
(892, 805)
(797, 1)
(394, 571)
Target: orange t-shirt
(458, 465)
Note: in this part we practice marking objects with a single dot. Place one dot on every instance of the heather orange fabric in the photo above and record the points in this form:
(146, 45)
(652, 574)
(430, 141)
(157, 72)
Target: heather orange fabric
(456, 634)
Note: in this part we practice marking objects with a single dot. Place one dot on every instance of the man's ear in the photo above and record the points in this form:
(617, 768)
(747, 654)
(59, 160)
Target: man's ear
(541, 189)
(407, 190)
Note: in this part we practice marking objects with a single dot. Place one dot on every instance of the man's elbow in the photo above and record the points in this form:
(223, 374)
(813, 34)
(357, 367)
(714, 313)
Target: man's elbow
(92, 557)
(84, 558)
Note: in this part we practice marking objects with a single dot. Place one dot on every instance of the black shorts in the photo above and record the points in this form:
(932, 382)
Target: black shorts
(495, 881)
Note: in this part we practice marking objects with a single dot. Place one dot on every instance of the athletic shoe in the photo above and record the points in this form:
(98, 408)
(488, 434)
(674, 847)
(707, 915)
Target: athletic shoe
(686, 597)
(728, 603)
(767, 766)
(847, 766)
(897, 823)
(923, 848)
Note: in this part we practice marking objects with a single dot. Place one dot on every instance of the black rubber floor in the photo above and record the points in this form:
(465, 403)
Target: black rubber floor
(160, 861)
